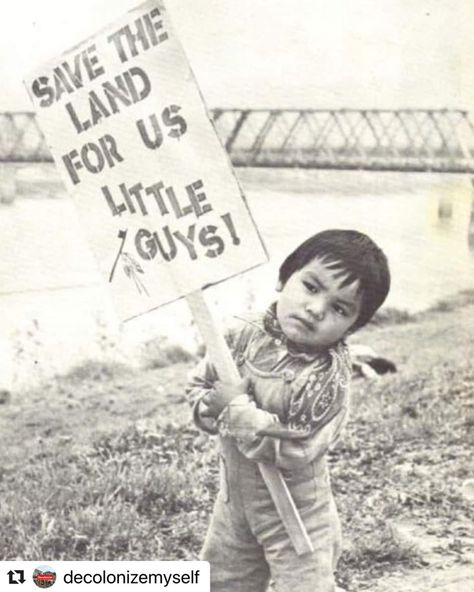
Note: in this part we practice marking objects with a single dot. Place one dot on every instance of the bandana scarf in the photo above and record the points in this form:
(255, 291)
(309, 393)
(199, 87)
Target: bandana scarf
(326, 388)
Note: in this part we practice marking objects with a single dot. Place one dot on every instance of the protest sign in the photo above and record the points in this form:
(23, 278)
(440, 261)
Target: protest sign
(125, 122)
(163, 211)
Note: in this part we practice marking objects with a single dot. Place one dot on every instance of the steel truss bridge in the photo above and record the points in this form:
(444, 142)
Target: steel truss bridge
(437, 140)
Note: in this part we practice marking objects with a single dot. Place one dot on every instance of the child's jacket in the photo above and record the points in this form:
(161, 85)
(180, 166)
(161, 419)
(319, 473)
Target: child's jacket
(299, 400)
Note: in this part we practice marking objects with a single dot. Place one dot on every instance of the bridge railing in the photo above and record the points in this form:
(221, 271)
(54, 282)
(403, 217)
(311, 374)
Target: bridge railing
(374, 139)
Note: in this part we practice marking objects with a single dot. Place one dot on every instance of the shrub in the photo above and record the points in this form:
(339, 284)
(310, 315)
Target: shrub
(95, 370)
(391, 316)
(159, 353)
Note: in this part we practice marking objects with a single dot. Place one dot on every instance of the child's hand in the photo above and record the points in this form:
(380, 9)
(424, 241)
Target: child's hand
(221, 395)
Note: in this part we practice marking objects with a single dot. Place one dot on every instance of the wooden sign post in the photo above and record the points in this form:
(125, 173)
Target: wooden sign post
(154, 188)
(227, 370)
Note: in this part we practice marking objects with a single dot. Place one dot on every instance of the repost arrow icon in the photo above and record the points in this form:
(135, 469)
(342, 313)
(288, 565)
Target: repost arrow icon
(16, 576)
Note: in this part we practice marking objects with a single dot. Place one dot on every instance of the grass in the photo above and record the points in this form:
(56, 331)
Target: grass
(133, 479)
(134, 495)
(404, 458)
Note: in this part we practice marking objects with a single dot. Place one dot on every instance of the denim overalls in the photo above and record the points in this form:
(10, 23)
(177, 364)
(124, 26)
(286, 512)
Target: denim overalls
(246, 543)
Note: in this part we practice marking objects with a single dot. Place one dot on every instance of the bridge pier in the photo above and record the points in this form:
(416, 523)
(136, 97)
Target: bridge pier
(445, 207)
(470, 228)
(7, 182)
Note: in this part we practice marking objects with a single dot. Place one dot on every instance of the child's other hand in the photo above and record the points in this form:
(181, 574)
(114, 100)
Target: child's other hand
(221, 395)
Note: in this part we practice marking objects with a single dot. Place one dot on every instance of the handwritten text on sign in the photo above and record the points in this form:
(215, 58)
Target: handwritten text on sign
(129, 131)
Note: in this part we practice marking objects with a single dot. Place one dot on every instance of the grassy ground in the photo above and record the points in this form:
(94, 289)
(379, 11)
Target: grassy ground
(105, 464)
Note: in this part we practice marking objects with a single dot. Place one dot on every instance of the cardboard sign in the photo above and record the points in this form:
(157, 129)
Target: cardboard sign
(156, 193)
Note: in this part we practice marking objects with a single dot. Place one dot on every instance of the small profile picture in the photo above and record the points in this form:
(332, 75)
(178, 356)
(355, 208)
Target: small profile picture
(44, 576)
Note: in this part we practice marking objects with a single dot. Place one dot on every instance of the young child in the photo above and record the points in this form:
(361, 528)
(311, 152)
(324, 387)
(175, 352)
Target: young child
(288, 410)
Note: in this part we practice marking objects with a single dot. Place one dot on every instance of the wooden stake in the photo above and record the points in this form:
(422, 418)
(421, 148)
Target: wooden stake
(222, 359)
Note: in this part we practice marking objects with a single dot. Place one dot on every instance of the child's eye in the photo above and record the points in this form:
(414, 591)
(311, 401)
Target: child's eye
(340, 311)
(311, 287)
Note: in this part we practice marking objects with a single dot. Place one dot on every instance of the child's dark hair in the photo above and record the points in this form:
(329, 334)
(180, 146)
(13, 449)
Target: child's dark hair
(356, 256)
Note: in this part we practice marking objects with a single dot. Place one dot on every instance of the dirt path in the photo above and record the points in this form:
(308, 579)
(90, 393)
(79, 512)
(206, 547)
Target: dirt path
(452, 579)
(448, 571)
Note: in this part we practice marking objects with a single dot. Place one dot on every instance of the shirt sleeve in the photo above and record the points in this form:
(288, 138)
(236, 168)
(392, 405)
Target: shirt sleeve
(200, 382)
(203, 377)
(319, 408)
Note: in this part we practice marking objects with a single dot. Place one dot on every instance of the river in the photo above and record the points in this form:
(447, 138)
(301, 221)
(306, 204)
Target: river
(55, 312)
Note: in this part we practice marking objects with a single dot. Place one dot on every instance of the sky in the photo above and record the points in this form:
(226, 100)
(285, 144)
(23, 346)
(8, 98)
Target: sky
(276, 53)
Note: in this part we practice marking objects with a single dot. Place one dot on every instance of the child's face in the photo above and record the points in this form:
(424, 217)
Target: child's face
(314, 310)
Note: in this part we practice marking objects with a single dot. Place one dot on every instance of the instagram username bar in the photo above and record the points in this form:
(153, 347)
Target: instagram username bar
(172, 576)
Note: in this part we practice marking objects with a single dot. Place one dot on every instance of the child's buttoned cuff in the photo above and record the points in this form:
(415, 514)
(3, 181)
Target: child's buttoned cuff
(242, 420)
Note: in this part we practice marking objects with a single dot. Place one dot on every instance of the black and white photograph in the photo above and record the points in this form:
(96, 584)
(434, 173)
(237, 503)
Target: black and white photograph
(237, 290)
